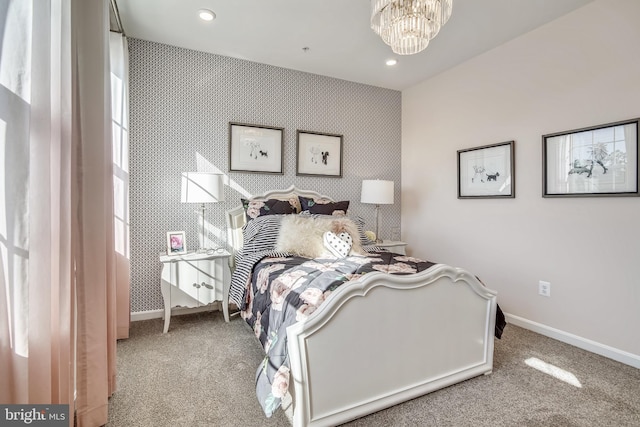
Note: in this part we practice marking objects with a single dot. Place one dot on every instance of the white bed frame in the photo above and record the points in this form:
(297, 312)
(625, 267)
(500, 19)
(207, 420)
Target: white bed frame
(384, 339)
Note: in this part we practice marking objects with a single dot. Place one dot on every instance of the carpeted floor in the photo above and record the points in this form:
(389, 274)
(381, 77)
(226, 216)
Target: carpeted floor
(202, 373)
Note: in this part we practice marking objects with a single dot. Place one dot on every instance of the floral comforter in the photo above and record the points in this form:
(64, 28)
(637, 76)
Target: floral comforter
(284, 290)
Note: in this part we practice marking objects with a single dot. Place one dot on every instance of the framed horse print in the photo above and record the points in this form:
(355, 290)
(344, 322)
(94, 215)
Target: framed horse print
(595, 161)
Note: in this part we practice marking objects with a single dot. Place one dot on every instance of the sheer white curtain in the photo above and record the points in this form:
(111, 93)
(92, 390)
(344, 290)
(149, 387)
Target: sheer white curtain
(58, 272)
(119, 55)
(36, 300)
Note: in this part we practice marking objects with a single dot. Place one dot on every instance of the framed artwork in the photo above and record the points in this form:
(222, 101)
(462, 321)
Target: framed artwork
(487, 172)
(176, 243)
(590, 162)
(255, 148)
(318, 154)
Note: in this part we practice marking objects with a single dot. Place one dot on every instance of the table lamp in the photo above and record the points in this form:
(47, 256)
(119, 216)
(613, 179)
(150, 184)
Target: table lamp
(377, 192)
(202, 187)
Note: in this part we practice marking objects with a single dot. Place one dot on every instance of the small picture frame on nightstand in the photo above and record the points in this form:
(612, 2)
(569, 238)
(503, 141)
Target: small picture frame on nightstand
(176, 243)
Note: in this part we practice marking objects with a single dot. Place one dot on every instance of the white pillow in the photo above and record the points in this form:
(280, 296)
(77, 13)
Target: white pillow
(303, 235)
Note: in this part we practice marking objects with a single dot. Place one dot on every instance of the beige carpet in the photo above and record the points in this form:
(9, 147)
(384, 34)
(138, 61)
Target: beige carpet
(202, 373)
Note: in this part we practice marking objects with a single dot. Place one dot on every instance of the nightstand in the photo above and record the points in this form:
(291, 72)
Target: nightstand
(397, 247)
(195, 280)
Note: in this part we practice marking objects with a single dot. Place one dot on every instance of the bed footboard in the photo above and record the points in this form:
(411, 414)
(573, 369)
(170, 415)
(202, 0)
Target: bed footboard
(386, 339)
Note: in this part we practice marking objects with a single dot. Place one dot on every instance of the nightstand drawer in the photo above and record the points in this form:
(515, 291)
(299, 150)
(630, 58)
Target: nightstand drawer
(199, 279)
(397, 247)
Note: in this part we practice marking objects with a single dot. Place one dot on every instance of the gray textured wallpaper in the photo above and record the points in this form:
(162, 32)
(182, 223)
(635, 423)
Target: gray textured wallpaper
(181, 103)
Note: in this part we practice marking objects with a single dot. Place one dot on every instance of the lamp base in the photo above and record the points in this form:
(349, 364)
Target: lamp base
(378, 239)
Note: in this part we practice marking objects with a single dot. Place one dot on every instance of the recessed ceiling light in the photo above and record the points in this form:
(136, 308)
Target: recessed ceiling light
(391, 62)
(206, 15)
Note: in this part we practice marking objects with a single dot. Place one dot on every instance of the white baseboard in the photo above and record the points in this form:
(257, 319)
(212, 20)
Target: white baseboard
(176, 311)
(146, 315)
(576, 341)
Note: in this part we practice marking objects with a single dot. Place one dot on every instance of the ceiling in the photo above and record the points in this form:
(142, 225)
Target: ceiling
(337, 34)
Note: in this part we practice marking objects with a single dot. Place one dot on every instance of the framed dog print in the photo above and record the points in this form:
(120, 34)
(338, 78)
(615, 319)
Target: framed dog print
(319, 154)
(255, 148)
(487, 172)
(176, 243)
(595, 161)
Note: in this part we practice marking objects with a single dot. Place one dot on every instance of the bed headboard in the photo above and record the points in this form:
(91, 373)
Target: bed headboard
(236, 217)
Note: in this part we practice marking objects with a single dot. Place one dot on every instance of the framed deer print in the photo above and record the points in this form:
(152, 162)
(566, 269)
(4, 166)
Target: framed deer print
(487, 172)
(255, 148)
(595, 161)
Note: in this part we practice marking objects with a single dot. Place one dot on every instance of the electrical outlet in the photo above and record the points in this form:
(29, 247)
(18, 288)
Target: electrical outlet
(544, 288)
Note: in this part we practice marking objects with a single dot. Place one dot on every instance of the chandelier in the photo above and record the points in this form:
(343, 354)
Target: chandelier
(408, 25)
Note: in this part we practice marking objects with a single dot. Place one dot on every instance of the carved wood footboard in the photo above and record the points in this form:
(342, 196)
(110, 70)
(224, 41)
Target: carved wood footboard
(432, 329)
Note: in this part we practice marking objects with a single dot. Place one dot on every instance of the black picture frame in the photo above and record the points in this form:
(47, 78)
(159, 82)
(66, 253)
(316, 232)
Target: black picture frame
(318, 154)
(595, 161)
(487, 172)
(256, 148)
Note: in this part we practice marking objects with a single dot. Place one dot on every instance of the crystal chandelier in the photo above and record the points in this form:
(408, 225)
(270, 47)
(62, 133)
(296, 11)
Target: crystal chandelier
(408, 25)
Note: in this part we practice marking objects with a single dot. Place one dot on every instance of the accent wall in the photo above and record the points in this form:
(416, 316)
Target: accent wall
(181, 102)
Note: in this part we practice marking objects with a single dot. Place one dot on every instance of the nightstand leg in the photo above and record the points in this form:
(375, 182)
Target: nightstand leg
(225, 310)
(226, 283)
(167, 318)
(166, 297)
(225, 293)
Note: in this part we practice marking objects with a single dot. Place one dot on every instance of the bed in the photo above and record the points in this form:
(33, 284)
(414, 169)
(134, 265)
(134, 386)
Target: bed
(343, 338)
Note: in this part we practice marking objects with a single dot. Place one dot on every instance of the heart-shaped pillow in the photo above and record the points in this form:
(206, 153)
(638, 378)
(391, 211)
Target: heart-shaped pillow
(338, 244)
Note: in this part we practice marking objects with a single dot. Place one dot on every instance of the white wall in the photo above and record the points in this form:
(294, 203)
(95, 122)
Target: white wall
(580, 70)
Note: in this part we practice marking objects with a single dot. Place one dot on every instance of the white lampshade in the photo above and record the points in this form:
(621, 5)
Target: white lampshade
(202, 187)
(377, 192)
